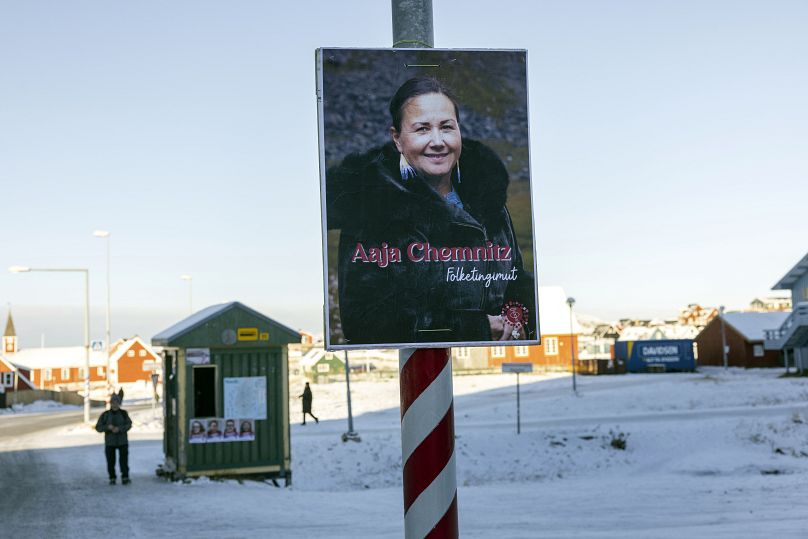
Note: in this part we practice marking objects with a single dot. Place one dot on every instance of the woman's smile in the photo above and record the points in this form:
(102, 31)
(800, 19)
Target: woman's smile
(430, 137)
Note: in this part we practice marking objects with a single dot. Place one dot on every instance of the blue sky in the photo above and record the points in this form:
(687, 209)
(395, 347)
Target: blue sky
(668, 148)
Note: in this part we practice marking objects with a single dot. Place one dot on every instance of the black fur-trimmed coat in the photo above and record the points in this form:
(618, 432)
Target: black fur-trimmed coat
(415, 302)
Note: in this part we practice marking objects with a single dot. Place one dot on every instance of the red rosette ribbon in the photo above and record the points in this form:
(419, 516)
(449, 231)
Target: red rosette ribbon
(515, 314)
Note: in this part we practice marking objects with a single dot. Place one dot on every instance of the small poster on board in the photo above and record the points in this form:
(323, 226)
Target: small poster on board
(230, 433)
(214, 432)
(245, 397)
(246, 430)
(197, 432)
(197, 356)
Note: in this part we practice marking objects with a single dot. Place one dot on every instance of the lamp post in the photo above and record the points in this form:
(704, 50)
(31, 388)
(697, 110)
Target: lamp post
(26, 269)
(723, 336)
(105, 234)
(190, 281)
(351, 434)
(571, 303)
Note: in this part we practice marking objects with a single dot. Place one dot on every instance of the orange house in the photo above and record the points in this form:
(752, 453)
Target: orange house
(133, 360)
(60, 368)
(559, 336)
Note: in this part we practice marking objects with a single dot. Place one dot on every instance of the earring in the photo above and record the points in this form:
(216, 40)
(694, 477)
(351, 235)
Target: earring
(405, 168)
(458, 171)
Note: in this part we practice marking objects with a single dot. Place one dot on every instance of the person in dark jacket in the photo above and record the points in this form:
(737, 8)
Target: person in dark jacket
(307, 397)
(427, 253)
(115, 423)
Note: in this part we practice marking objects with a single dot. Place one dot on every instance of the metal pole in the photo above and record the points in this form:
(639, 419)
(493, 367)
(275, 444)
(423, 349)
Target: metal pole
(350, 435)
(108, 328)
(723, 336)
(105, 234)
(518, 409)
(425, 376)
(571, 302)
(412, 24)
(86, 346)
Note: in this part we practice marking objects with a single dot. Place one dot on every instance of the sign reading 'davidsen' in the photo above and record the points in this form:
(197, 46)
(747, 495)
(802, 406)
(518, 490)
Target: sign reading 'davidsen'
(426, 198)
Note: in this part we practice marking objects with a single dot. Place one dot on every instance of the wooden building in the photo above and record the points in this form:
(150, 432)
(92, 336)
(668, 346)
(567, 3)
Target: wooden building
(745, 335)
(13, 378)
(133, 360)
(559, 336)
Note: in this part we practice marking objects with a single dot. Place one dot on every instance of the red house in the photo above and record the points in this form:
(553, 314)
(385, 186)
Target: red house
(744, 336)
(132, 360)
(559, 338)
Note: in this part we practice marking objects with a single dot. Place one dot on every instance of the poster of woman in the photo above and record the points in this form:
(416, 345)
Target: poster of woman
(214, 432)
(230, 433)
(426, 198)
(247, 430)
(196, 432)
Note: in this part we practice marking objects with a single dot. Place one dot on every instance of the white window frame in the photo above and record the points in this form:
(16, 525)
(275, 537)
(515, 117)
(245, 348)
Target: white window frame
(130, 353)
(141, 353)
(522, 351)
(497, 351)
(462, 352)
(757, 350)
(62, 374)
(550, 346)
(47, 375)
(323, 368)
(82, 373)
(99, 371)
(8, 379)
(148, 365)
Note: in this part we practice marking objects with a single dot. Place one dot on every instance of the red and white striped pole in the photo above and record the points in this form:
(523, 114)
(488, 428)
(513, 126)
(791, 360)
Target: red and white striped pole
(425, 377)
(427, 444)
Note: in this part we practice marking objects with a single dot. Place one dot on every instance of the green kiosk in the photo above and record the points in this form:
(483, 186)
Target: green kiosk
(226, 395)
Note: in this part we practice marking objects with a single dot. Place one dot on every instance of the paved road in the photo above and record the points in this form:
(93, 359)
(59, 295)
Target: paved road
(16, 425)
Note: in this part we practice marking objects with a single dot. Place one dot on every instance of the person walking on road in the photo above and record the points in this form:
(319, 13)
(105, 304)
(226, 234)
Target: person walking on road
(115, 423)
(306, 396)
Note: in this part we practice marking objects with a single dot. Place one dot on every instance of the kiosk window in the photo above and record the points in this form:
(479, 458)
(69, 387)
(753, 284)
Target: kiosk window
(205, 391)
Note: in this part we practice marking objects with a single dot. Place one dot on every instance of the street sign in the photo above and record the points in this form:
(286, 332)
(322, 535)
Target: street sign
(154, 378)
(517, 367)
(96, 346)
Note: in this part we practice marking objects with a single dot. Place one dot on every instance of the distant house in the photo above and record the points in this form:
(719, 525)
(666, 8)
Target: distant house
(13, 378)
(770, 303)
(132, 360)
(745, 335)
(790, 338)
(318, 364)
(61, 368)
(559, 331)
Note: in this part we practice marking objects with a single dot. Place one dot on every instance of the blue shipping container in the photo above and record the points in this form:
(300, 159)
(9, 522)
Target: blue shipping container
(668, 355)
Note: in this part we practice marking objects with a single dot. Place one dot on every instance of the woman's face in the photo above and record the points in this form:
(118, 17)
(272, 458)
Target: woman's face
(430, 135)
(197, 427)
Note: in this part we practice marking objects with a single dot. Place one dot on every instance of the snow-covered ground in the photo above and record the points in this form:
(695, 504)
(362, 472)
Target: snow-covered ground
(708, 454)
(37, 407)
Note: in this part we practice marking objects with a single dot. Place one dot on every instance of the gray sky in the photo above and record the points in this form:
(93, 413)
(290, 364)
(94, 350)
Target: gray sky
(668, 148)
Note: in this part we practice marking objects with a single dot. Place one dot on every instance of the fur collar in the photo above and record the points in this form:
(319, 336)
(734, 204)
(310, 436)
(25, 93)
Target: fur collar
(366, 190)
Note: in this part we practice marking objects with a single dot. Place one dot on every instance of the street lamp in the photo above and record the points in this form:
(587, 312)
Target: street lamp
(26, 269)
(190, 292)
(105, 234)
(723, 336)
(571, 302)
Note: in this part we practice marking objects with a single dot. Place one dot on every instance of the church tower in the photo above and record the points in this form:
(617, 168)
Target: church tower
(10, 336)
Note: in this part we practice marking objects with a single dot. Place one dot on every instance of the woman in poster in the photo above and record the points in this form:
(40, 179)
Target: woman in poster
(197, 434)
(230, 431)
(427, 248)
(214, 433)
(247, 432)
